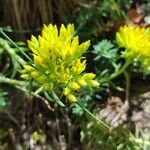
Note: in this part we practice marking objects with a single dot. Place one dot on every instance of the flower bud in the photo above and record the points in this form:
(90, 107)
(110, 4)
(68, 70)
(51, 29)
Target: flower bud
(25, 76)
(37, 60)
(41, 79)
(28, 68)
(48, 86)
(93, 83)
(82, 82)
(89, 76)
(73, 86)
(66, 91)
(72, 98)
(35, 74)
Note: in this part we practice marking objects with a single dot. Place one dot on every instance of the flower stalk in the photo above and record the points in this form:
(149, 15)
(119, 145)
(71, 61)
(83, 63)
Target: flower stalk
(13, 82)
(117, 73)
(9, 39)
(93, 116)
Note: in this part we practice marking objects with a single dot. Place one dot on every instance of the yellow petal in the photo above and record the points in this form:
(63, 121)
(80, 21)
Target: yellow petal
(28, 68)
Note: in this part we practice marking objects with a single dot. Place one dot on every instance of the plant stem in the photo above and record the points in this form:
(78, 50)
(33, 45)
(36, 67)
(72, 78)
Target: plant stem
(120, 13)
(117, 8)
(35, 95)
(116, 74)
(13, 82)
(140, 141)
(57, 99)
(93, 116)
(13, 54)
(5, 35)
(127, 77)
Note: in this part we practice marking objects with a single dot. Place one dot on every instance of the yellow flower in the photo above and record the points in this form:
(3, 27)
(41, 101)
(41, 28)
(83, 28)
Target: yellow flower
(136, 41)
(58, 61)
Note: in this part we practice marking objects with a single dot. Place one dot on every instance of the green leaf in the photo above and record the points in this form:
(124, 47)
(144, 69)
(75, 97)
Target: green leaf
(3, 99)
(105, 49)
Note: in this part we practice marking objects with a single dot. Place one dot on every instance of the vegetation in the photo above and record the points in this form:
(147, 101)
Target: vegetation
(80, 82)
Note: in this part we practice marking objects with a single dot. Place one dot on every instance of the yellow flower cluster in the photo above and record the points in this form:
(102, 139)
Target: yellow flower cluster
(58, 61)
(136, 41)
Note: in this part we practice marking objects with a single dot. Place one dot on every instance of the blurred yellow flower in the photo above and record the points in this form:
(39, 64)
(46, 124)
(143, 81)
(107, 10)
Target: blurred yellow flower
(136, 41)
(58, 61)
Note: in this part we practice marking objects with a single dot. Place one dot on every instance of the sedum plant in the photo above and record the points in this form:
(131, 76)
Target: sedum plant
(136, 41)
(58, 61)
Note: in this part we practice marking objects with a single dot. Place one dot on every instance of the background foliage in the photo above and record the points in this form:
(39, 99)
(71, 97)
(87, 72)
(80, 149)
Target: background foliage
(31, 120)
